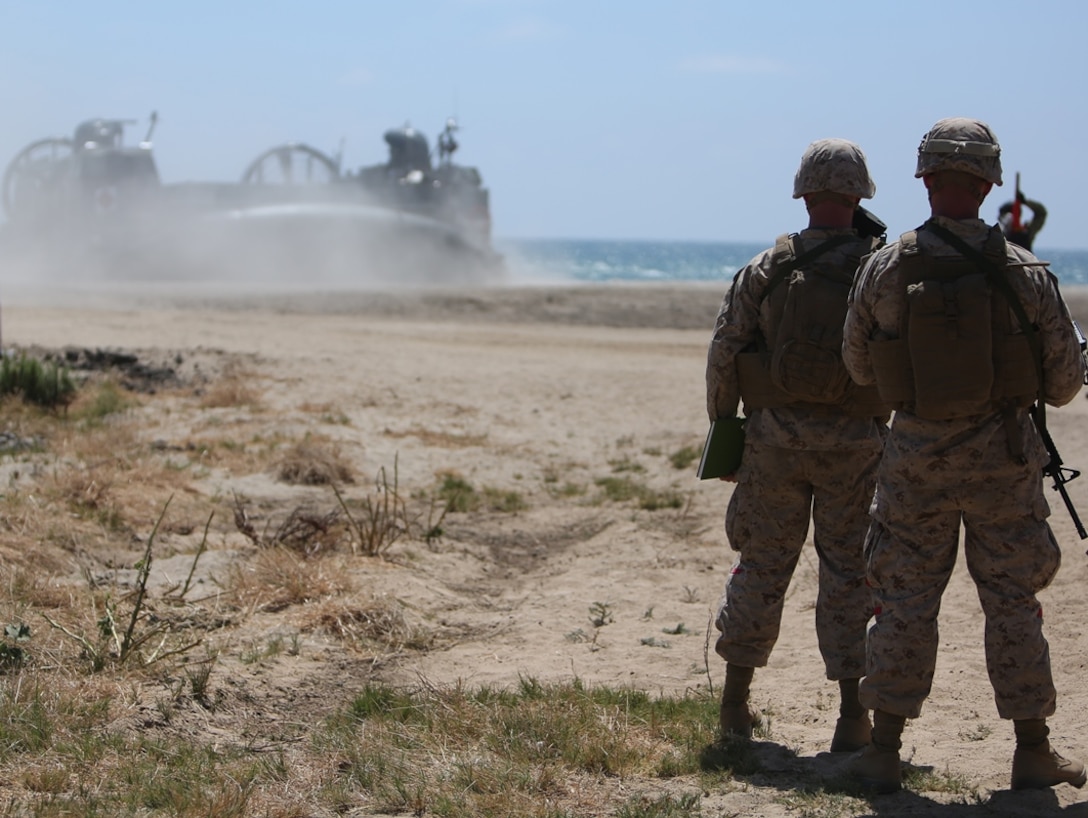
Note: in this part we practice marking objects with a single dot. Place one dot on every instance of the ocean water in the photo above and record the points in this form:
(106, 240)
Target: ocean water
(543, 261)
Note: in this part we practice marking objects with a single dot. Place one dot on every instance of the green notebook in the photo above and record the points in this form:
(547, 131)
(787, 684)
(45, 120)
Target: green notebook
(723, 448)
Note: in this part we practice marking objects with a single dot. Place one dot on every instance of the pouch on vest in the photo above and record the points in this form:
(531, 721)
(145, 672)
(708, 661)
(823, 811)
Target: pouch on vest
(894, 374)
(1016, 379)
(950, 329)
(754, 381)
(807, 358)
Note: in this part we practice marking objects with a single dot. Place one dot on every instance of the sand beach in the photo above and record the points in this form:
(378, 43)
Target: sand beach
(541, 395)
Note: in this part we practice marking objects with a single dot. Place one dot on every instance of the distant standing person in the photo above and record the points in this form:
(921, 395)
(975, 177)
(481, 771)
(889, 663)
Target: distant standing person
(1011, 219)
(962, 332)
(813, 440)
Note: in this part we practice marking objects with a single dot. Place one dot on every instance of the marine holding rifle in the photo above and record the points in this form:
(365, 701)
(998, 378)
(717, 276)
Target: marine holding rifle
(813, 439)
(962, 332)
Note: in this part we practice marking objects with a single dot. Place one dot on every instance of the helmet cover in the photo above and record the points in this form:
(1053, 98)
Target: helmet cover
(834, 165)
(967, 145)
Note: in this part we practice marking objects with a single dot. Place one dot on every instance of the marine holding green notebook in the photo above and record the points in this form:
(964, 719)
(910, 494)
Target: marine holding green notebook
(810, 439)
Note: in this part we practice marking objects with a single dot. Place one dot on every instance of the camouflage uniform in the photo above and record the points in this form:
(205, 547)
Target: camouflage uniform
(797, 463)
(937, 474)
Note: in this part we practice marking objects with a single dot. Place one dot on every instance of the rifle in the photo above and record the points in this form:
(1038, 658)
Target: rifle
(867, 224)
(1057, 472)
(996, 275)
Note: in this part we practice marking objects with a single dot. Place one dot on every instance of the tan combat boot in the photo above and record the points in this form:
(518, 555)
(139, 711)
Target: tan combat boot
(877, 768)
(1036, 765)
(853, 730)
(851, 733)
(737, 717)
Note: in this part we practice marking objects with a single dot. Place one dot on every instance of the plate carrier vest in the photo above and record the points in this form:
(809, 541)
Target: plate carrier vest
(960, 351)
(800, 364)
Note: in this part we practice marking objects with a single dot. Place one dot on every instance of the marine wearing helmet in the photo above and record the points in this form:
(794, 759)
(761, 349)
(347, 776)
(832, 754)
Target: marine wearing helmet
(833, 166)
(962, 332)
(965, 153)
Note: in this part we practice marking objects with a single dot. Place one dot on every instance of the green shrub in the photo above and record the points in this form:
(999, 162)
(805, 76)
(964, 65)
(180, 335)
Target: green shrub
(458, 493)
(43, 384)
(682, 458)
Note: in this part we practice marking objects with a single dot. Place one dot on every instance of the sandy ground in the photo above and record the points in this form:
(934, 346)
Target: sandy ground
(532, 390)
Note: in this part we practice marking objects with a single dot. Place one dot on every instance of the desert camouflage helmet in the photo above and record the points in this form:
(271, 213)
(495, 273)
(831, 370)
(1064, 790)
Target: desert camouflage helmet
(960, 144)
(834, 165)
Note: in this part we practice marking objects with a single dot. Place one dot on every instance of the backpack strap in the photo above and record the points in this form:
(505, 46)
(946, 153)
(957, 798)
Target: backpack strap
(997, 275)
(789, 261)
(908, 243)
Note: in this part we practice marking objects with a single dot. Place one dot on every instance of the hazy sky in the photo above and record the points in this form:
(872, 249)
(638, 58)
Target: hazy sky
(623, 119)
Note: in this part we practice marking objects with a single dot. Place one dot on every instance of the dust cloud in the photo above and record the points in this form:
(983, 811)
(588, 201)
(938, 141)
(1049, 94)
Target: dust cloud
(89, 215)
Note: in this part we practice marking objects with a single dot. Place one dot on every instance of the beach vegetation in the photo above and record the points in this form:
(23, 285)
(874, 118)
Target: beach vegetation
(822, 802)
(327, 413)
(660, 806)
(219, 447)
(462, 497)
(684, 457)
(459, 495)
(495, 499)
(104, 400)
(437, 750)
(42, 383)
(928, 779)
(174, 647)
(236, 386)
(600, 614)
(277, 578)
(980, 732)
(118, 628)
(380, 517)
(623, 489)
(626, 464)
(566, 489)
(314, 461)
(440, 438)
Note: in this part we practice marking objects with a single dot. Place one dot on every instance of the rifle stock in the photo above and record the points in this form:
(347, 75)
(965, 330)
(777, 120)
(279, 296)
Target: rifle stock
(1060, 474)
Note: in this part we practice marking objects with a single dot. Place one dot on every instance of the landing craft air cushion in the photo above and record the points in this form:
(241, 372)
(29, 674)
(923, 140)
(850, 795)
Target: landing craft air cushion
(91, 206)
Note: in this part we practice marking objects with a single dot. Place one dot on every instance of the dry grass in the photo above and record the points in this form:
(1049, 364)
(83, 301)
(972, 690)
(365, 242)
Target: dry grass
(368, 625)
(236, 449)
(305, 530)
(236, 387)
(105, 483)
(278, 577)
(327, 412)
(314, 461)
(257, 726)
(439, 439)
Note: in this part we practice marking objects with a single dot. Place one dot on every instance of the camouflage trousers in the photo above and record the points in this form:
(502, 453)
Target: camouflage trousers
(778, 491)
(911, 550)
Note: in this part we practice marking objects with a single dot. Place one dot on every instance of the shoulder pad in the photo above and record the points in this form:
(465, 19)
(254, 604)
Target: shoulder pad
(996, 246)
(785, 247)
